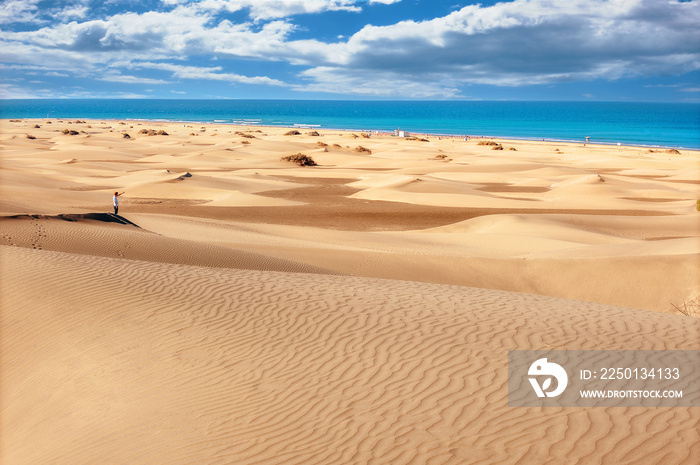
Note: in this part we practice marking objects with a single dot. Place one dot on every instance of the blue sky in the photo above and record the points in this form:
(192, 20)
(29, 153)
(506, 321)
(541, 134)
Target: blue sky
(610, 50)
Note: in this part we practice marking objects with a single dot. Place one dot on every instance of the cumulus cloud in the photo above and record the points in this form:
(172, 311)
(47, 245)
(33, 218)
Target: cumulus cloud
(18, 11)
(535, 42)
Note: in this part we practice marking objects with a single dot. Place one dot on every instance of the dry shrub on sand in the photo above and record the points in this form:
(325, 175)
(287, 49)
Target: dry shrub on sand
(152, 132)
(292, 133)
(321, 144)
(300, 159)
(497, 147)
(672, 151)
(486, 142)
(126, 136)
(689, 308)
(362, 149)
(70, 132)
(314, 133)
(29, 136)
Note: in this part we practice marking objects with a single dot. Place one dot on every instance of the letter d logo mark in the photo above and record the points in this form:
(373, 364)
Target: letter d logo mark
(543, 368)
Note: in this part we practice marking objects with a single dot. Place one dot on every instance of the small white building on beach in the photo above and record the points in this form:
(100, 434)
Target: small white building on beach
(400, 133)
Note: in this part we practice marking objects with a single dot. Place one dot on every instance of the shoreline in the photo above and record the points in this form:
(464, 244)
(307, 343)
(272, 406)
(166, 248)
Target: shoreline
(380, 132)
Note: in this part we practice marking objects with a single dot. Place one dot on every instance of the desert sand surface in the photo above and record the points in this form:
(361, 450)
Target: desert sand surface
(243, 309)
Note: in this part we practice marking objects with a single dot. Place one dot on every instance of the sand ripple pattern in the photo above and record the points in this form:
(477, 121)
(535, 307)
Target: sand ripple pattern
(108, 360)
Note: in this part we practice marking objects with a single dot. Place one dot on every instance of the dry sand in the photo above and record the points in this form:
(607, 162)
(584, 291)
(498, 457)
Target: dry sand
(243, 309)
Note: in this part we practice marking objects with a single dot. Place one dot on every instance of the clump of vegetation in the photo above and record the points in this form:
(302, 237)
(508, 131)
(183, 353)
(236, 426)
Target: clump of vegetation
(486, 142)
(672, 151)
(70, 132)
(513, 149)
(247, 136)
(122, 122)
(15, 121)
(365, 135)
(321, 144)
(36, 126)
(314, 133)
(338, 146)
(29, 136)
(126, 136)
(300, 159)
(153, 132)
(689, 308)
(245, 142)
(417, 138)
(79, 122)
(354, 136)
(497, 147)
(440, 156)
(292, 133)
(362, 149)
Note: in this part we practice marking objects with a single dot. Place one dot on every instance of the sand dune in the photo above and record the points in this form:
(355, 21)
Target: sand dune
(243, 309)
(147, 362)
(109, 235)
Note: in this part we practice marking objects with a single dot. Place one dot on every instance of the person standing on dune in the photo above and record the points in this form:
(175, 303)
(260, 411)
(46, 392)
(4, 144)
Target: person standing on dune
(115, 202)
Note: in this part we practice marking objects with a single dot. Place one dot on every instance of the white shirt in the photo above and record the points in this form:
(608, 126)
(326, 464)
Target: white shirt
(115, 201)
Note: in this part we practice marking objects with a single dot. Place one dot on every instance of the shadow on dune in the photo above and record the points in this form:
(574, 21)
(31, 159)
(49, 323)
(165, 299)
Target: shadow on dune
(77, 217)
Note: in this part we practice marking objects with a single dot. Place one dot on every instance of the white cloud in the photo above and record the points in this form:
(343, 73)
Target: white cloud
(211, 74)
(383, 84)
(18, 11)
(117, 77)
(10, 91)
(262, 10)
(73, 12)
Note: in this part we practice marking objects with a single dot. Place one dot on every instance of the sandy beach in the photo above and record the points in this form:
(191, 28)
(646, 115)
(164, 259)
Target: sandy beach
(244, 309)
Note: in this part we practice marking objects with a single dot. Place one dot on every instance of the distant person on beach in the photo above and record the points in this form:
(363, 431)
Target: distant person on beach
(115, 202)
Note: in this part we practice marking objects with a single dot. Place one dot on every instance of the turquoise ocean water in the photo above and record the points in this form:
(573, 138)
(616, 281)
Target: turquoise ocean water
(646, 124)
